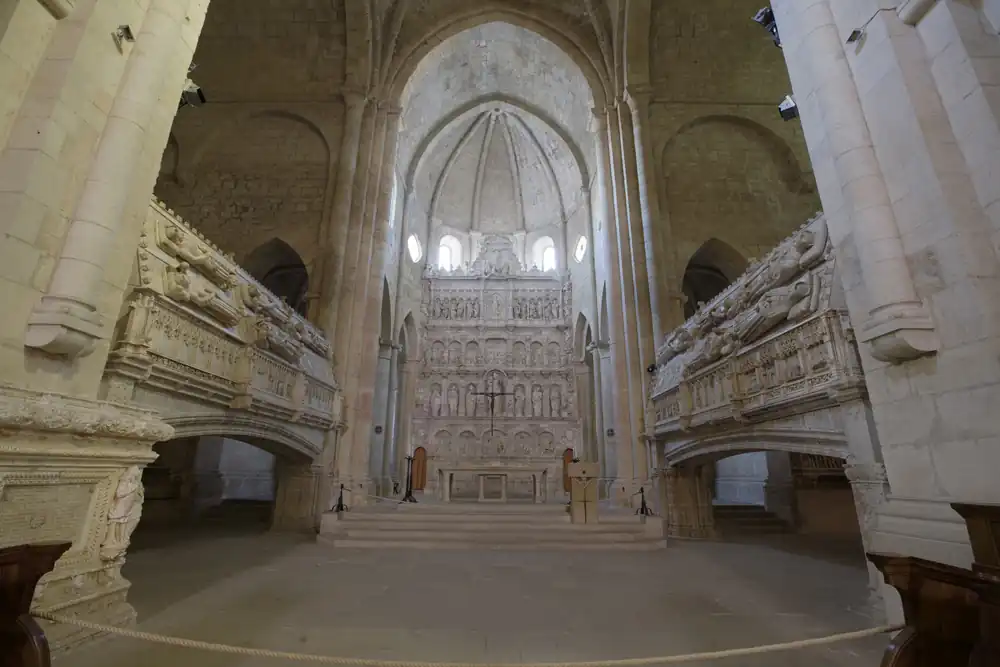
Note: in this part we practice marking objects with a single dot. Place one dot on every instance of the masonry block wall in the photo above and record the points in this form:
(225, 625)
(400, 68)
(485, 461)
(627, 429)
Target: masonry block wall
(729, 168)
(259, 161)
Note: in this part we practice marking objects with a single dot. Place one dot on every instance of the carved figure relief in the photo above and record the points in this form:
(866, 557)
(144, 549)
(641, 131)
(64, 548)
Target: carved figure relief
(123, 517)
(467, 444)
(537, 355)
(555, 401)
(453, 400)
(454, 353)
(436, 400)
(536, 401)
(519, 399)
(552, 356)
(519, 353)
(470, 400)
(437, 352)
(471, 353)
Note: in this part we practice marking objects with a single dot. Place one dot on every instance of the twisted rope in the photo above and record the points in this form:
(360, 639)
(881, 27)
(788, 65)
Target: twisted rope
(371, 662)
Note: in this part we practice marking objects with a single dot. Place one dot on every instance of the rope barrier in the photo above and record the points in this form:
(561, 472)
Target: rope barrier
(371, 662)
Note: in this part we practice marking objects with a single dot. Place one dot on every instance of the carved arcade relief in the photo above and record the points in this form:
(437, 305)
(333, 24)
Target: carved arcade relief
(494, 319)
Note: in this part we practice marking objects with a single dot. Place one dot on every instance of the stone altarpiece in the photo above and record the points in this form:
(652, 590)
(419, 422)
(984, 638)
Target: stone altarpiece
(495, 315)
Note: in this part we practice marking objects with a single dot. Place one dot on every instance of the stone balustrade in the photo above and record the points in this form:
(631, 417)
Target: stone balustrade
(207, 346)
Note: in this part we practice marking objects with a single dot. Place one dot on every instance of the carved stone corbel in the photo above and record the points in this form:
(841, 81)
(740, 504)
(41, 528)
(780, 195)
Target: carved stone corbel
(59, 9)
(902, 335)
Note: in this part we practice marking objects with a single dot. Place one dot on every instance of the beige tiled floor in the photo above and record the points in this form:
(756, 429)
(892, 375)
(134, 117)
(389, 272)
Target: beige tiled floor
(282, 593)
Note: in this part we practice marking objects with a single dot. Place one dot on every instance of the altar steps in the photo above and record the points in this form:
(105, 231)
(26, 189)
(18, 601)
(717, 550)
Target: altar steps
(484, 526)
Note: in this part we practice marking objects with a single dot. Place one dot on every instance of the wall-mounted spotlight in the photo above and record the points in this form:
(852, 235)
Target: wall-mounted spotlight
(857, 35)
(788, 109)
(192, 94)
(651, 369)
(765, 17)
(121, 35)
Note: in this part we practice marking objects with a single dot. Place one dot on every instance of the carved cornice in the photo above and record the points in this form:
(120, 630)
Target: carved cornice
(22, 409)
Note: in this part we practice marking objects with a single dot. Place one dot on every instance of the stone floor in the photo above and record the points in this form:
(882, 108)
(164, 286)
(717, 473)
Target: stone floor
(284, 593)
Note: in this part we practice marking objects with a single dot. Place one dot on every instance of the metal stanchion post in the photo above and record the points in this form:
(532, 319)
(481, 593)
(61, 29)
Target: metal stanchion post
(340, 506)
(408, 498)
(643, 507)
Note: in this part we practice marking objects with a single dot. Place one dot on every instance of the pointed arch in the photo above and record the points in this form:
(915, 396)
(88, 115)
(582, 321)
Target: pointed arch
(549, 24)
(385, 332)
(789, 169)
(280, 269)
(408, 337)
(604, 325)
(710, 270)
(581, 336)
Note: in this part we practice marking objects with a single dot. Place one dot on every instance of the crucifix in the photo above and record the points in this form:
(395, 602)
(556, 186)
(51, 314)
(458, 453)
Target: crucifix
(492, 394)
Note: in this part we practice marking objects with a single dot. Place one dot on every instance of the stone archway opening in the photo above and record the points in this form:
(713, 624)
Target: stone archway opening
(279, 268)
(710, 270)
(210, 510)
(787, 499)
(214, 482)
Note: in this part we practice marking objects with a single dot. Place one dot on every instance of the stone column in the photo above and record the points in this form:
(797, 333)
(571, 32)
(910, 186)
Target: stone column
(666, 304)
(622, 423)
(898, 327)
(641, 221)
(374, 294)
(632, 318)
(380, 415)
(779, 489)
(595, 309)
(411, 372)
(584, 407)
(68, 321)
(390, 445)
(343, 337)
(352, 244)
(295, 500)
(340, 213)
(688, 502)
(598, 406)
(871, 488)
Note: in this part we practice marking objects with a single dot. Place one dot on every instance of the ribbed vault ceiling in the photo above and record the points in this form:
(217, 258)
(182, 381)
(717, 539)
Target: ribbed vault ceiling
(500, 169)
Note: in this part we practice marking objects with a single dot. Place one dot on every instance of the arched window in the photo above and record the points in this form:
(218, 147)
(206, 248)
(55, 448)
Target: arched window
(581, 249)
(413, 247)
(449, 253)
(544, 254)
(549, 259)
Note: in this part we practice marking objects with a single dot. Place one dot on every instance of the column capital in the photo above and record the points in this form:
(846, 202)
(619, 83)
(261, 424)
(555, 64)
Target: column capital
(638, 96)
(390, 108)
(353, 97)
(598, 119)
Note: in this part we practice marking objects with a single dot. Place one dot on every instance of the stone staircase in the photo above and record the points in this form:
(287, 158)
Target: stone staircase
(747, 520)
(510, 526)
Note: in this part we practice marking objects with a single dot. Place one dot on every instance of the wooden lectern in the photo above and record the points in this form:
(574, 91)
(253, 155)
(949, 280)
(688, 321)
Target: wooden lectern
(22, 642)
(583, 492)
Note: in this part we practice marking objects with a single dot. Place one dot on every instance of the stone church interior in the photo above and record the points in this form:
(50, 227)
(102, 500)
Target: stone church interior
(511, 331)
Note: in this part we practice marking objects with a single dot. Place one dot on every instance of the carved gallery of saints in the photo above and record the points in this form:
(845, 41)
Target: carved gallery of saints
(497, 388)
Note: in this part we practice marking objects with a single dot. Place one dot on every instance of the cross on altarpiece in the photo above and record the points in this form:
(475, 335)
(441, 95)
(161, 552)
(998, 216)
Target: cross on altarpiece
(492, 395)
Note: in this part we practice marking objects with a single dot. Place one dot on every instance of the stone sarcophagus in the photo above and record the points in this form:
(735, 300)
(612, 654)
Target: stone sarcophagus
(495, 327)
(206, 345)
(775, 344)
